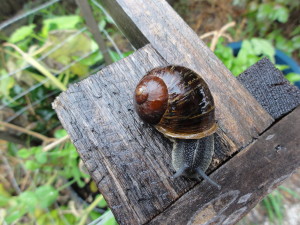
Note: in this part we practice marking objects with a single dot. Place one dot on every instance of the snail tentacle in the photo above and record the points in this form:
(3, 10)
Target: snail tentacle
(191, 158)
(180, 172)
(207, 178)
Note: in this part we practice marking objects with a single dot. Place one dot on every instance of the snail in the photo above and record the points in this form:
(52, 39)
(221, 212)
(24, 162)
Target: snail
(179, 104)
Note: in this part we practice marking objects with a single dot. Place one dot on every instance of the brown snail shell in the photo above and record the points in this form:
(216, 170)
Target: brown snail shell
(177, 101)
(179, 104)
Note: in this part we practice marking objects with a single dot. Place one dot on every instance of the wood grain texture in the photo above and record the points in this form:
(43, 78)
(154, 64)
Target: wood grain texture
(177, 43)
(273, 92)
(129, 160)
(245, 179)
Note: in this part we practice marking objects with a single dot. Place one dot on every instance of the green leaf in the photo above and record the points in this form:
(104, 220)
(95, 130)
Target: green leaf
(267, 204)
(276, 201)
(79, 69)
(39, 78)
(94, 215)
(6, 85)
(296, 42)
(56, 217)
(282, 67)
(285, 45)
(109, 19)
(24, 153)
(36, 149)
(92, 59)
(116, 57)
(280, 13)
(28, 200)
(225, 54)
(14, 215)
(60, 133)
(102, 24)
(3, 200)
(12, 148)
(74, 48)
(290, 191)
(31, 165)
(296, 31)
(60, 23)
(46, 195)
(102, 203)
(3, 191)
(107, 219)
(293, 77)
(41, 157)
(94, 188)
(77, 176)
(263, 11)
(263, 47)
(253, 6)
(4, 196)
(21, 33)
(125, 54)
(242, 56)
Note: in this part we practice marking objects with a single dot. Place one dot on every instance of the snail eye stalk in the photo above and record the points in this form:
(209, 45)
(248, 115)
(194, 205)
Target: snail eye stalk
(180, 172)
(205, 177)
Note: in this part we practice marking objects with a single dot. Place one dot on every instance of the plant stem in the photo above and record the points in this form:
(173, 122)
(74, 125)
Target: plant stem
(219, 34)
(87, 211)
(66, 185)
(29, 59)
(11, 175)
(26, 131)
(55, 143)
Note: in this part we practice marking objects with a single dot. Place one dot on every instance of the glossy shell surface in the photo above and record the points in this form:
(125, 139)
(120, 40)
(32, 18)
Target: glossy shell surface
(177, 102)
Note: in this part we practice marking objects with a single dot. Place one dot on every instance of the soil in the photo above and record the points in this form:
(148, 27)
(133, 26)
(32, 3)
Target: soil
(205, 16)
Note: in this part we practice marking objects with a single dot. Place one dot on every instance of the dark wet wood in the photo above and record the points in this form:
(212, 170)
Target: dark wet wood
(245, 179)
(129, 160)
(273, 92)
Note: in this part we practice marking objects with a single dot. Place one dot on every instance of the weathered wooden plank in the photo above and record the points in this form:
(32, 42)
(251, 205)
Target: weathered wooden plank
(273, 92)
(157, 23)
(128, 160)
(245, 179)
(269, 87)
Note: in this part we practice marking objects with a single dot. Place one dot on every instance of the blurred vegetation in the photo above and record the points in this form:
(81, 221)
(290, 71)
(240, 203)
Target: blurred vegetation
(276, 21)
(43, 184)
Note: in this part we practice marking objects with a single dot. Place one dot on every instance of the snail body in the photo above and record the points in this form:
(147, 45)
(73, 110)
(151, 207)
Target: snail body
(179, 104)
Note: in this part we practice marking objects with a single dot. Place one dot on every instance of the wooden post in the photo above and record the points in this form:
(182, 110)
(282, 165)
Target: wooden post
(131, 162)
(94, 29)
